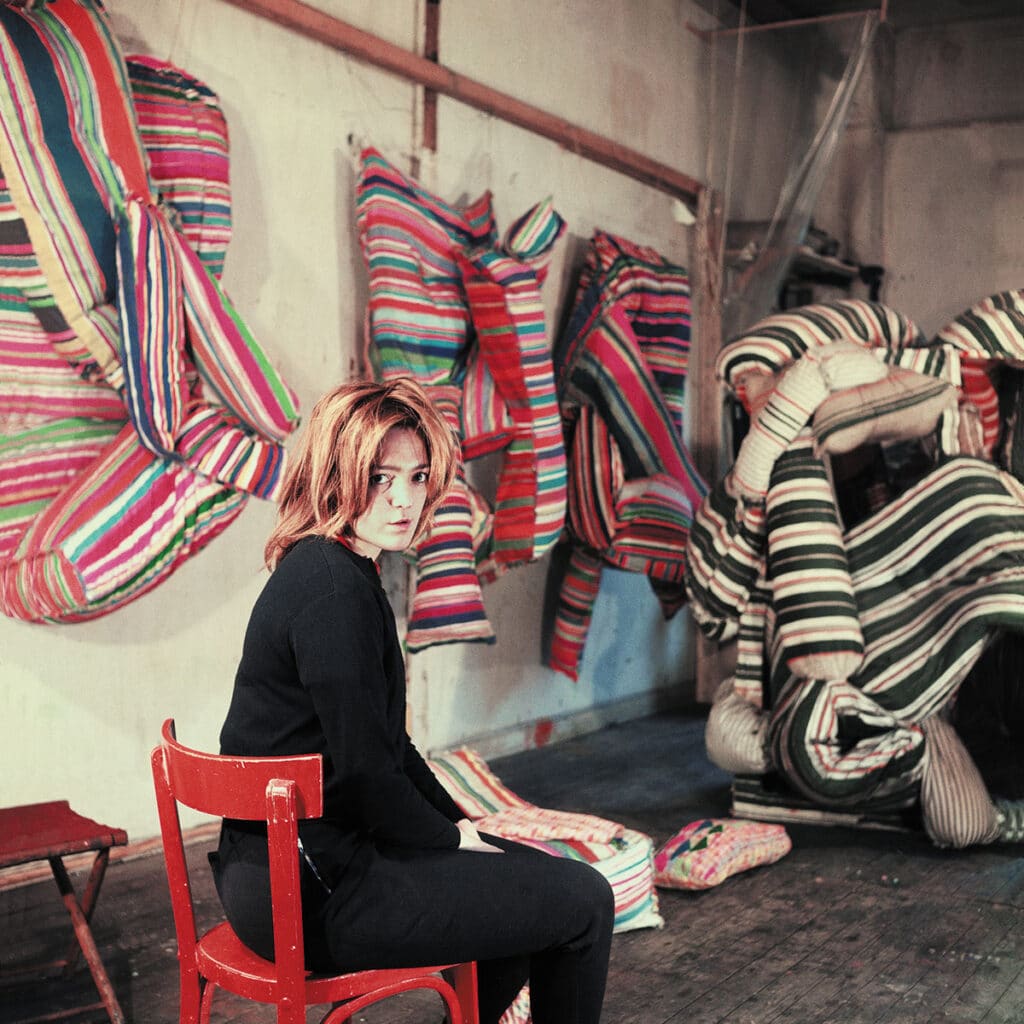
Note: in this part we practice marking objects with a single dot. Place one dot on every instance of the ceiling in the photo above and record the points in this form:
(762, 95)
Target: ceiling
(899, 13)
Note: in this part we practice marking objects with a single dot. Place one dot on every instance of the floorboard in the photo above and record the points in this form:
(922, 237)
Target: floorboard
(851, 927)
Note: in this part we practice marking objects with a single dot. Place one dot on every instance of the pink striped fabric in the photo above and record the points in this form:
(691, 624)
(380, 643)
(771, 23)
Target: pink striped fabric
(460, 310)
(625, 857)
(125, 358)
(544, 823)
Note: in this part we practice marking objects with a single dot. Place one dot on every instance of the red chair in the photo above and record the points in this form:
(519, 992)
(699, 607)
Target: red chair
(280, 791)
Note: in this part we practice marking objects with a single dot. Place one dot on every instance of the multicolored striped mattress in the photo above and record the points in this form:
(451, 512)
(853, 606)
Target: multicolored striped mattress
(459, 308)
(137, 410)
(623, 856)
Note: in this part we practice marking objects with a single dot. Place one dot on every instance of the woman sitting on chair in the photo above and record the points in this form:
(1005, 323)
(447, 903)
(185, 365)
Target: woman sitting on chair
(394, 875)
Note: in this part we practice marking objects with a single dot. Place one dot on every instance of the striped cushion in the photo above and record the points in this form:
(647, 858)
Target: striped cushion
(460, 310)
(956, 808)
(121, 508)
(901, 405)
(628, 863)
(519, 1010)
(735, 736)
(621, 368)
(623, 856)
(705, 853)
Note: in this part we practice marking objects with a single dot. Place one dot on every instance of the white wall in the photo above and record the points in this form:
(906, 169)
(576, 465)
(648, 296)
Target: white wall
(930, 180)
(83, 704)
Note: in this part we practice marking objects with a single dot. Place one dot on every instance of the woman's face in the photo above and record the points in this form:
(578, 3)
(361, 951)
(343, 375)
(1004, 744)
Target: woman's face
(398, 489)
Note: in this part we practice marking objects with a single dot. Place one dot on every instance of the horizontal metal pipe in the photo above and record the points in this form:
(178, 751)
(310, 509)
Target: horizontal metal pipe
(364, 46)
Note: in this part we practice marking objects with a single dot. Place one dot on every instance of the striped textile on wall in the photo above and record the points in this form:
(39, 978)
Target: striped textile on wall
(141, 411)
(459, 309)
(621, 365)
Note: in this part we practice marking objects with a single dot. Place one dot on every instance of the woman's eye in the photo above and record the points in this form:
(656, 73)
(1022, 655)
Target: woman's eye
(378, 479)
(420, 478)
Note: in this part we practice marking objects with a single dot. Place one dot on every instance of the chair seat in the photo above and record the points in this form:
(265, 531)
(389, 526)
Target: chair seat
(226, 961)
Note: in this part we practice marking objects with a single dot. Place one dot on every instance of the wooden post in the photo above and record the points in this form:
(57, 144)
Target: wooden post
(432, 51)
(707, 432)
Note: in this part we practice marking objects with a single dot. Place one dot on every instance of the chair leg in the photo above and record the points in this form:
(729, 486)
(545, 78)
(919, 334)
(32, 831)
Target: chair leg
(464, 983)
(88, 902)
(86, 941)
(206, 1000)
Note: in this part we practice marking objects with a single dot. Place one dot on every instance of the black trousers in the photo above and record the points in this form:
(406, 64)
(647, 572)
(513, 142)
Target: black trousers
(523, 915)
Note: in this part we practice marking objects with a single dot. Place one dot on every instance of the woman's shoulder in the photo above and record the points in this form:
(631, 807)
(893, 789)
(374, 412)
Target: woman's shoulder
(322, 565)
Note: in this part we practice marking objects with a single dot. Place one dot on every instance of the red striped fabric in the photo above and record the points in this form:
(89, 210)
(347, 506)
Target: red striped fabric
(140, 410)
(621, 366)
(460, 310)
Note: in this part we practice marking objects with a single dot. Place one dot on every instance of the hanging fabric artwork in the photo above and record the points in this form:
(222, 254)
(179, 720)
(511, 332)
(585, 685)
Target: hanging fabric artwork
(621, 365)
(459, 309)
(851, 639)
(137, 411)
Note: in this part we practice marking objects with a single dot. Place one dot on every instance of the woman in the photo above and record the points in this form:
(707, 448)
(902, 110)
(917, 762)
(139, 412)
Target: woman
(393, 874)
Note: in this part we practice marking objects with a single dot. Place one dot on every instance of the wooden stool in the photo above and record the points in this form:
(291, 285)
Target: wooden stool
(50, 832)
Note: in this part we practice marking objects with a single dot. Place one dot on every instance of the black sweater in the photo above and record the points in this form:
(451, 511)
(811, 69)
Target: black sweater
(322, 673)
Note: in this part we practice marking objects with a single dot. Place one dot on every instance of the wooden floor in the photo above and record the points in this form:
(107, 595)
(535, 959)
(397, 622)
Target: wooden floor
(851, 927)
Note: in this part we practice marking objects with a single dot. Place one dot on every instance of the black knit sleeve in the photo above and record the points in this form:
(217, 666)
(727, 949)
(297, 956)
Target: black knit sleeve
(340, 643)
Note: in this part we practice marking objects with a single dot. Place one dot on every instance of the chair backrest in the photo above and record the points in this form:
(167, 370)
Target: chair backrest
(277, 790)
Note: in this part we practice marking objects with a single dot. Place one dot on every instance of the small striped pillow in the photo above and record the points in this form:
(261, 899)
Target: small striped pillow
(900, 406)
(705, 853)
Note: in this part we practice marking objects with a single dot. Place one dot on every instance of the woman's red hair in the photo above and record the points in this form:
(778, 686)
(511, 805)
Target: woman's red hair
(327, 484)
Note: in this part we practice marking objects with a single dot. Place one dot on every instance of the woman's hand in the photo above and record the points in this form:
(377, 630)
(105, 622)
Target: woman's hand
(469, 838)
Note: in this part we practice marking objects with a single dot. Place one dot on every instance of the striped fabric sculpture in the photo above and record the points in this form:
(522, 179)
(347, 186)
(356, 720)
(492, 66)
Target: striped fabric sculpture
(460, 310)
(621, 365)
(137, 410)
(909, 597)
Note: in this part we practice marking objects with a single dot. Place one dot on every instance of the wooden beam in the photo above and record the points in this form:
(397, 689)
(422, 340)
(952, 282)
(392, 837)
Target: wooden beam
(339, 35)
(431, 50)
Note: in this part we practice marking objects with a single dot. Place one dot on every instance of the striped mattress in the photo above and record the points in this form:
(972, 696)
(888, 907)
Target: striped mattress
(458, 308)
(849, 639)
(138, 412)
(621, 365)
